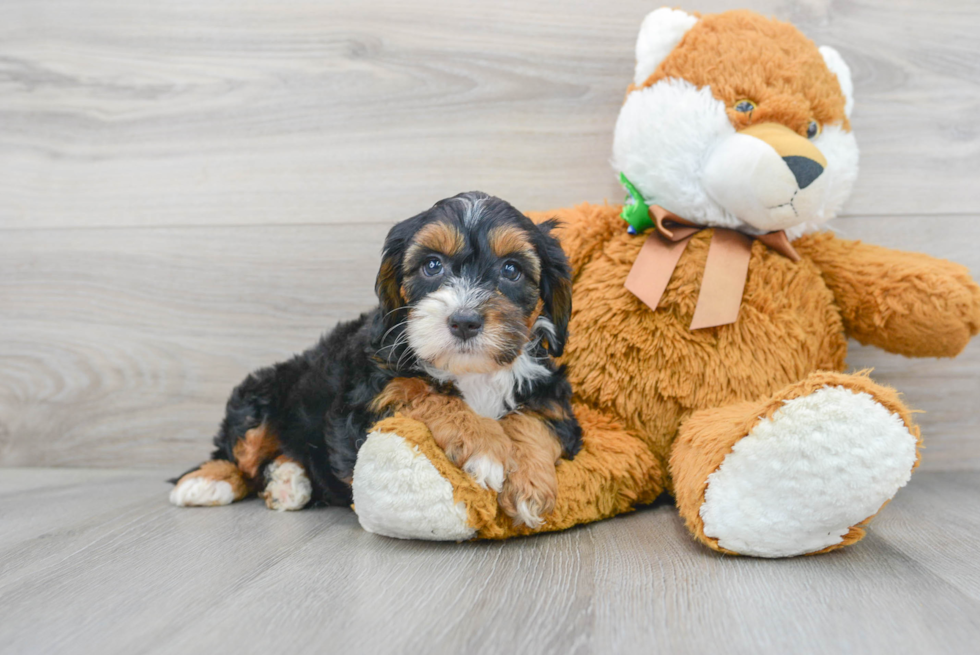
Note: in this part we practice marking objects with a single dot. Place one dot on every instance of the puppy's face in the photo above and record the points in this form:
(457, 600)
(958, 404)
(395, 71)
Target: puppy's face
(469, 283)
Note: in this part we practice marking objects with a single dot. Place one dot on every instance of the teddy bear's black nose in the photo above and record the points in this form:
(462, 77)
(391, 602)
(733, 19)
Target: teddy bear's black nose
(465, 325)
(804, 169)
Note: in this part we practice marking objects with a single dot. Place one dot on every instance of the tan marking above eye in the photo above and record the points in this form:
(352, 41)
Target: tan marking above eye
(508, 239)
(511, 240)
(442, 238)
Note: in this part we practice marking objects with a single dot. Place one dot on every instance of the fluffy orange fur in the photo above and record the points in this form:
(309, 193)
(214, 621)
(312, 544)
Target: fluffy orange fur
(661, 405)
(903, 302)
(640, 376)
(724, 51)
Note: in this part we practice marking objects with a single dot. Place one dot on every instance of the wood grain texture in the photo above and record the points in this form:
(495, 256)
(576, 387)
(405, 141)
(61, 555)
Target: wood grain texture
(122, 345)
(192, 190)
(119, 347)
(256, 112)
(98, 562)
(189, 190)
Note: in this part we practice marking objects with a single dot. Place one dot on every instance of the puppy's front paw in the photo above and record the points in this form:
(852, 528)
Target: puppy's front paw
(529, 495)
(487, 471)
(480, 448)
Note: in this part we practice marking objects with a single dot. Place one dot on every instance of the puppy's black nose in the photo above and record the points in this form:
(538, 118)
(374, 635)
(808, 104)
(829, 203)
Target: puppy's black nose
(465, 325)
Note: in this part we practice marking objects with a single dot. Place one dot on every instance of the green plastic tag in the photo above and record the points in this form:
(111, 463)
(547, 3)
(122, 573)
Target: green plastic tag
(636, 212)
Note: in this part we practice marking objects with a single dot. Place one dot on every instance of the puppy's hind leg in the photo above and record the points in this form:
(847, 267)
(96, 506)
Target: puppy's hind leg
(245, 442)
(222, 481)
(287, 486)
(218, 482)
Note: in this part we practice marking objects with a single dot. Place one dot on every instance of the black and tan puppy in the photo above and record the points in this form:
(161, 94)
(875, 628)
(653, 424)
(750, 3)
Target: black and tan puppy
(474, 304)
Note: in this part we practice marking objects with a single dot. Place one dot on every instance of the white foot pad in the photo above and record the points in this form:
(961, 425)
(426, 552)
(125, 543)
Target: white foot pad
(287, 487)
(528, 516)
(201, 492)
(801, 479)
(399, 493)
(485, 471)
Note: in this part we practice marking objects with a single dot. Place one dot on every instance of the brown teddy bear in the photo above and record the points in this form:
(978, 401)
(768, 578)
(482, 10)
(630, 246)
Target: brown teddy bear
(708, 334)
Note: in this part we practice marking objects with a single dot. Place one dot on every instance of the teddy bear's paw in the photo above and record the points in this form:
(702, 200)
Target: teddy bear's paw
(801, 480)
(399, 493)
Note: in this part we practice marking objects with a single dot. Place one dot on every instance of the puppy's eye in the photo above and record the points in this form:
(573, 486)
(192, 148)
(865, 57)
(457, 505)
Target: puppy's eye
(744, 106)
(511, 271)
(432, 267)
(813, 129)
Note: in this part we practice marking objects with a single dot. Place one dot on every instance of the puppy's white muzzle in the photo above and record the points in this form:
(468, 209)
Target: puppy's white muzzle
(768, 176)
(430, 335)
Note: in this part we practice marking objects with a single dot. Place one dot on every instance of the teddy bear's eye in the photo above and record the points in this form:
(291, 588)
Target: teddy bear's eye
(744, 106)
(813, 129)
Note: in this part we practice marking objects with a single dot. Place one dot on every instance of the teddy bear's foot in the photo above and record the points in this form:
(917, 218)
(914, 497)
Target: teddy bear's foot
(398, 492)
(799, 473)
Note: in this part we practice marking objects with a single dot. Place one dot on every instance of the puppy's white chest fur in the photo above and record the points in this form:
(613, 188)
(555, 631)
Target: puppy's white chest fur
(493, 394)
(488, 394)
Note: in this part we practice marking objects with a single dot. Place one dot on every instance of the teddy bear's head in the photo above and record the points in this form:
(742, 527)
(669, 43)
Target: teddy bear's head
(735, 120)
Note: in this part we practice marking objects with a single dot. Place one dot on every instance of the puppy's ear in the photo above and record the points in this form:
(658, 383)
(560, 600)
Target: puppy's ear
(388, 285)
(556, 286)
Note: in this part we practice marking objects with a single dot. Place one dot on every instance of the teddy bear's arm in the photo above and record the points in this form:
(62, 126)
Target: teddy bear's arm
(906, 303)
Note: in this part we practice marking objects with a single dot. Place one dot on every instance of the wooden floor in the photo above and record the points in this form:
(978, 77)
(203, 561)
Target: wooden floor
(98, 562)
(191, 189)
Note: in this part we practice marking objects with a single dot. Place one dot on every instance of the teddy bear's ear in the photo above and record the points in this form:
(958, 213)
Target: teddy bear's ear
(839, 68)
(660, 33)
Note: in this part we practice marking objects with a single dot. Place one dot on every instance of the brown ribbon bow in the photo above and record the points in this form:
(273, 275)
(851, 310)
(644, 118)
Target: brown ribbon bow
(724, 271)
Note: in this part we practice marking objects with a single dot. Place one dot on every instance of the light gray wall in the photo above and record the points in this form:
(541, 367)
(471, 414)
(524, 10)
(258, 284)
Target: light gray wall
(189, 190)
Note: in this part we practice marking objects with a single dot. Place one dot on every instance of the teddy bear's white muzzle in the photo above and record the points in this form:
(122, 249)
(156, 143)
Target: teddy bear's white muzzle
(761, 186)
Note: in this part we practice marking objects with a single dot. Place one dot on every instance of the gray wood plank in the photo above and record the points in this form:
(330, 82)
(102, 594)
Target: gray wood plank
(937, 526)
(667, 594)
(118, 347)
(44, 506)
(202, 113)
(121, 339)
(126, 573)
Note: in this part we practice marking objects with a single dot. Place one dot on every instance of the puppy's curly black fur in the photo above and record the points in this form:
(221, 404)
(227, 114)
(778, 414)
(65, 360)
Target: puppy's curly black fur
(472, 254)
